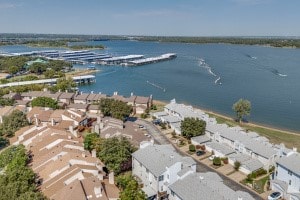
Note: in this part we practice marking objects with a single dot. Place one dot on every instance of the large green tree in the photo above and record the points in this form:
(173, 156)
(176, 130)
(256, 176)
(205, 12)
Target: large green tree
(242, 108)
(12, 123)
(129, 188)
(115, 108)
(191, 127)
(17, 180)
(64, 84)
(44, 102)
(115, 153)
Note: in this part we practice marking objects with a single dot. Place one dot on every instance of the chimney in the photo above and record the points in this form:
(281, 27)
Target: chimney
(115, 93)
(98, 191)
(240, 198)
(101, 125)
(92, 92)
(98, 119)
(36, 120)
(172, 156)
(45, 89)
(94, 153)
(81, 92)
(100, 177)
(75, 133)
(111, 178)
(131, 94)
(83, 154)
(52, 122)
(295, 149)
(201, 177)
(71, 129)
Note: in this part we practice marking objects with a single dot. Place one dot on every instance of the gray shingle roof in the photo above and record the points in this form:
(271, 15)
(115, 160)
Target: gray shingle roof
(205, 186)
(201, 139)
(157, 157)
(291, 162)
(220, 148)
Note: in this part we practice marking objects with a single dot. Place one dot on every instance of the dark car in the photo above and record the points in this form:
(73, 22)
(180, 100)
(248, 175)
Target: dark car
(200, 153)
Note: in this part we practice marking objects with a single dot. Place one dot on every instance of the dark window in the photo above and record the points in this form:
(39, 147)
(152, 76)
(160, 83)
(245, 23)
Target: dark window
(161, 178)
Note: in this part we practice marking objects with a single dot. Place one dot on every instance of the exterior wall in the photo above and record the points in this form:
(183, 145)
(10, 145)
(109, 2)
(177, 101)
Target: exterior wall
(67, 101)
(292, 179)
(94, 111)
(80, 101)
(170, 176)
(148, 179)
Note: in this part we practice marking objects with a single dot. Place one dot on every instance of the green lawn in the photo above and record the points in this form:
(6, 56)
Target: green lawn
(275, 136)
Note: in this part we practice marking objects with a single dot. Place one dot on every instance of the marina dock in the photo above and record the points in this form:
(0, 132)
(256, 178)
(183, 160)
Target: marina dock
(77, 79)
(145, 61)
(87, 56)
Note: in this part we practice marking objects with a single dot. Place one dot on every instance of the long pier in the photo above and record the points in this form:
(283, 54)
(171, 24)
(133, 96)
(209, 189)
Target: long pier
(76, 79)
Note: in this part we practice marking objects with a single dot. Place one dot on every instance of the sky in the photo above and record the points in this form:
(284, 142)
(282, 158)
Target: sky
(152, 17)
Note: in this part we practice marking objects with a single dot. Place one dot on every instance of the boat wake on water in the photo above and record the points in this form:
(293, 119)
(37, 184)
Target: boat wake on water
(276, 72)
(272, 70)
(249, 56)
(206, 66)
(157, 86)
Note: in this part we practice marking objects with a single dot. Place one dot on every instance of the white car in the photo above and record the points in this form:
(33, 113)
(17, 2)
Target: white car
(275, 196)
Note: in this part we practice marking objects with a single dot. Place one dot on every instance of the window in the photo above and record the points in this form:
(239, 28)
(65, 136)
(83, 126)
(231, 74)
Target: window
(161, 188)
(276, 172)
(290, 182)
(147, 170)
(161, 178)
(172, 193)
(290, 173)
(168, 176)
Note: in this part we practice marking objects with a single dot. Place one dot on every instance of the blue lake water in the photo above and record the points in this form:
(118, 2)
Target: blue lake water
(212, 76)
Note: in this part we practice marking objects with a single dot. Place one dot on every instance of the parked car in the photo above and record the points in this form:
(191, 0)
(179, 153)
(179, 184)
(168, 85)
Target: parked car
(156, 121)
(275, 196)
(200, 153)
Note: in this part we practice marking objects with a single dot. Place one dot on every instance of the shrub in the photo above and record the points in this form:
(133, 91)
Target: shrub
(192, 148)
(261, 172)
(198, 147)
(217, 161)
(237, 165)
(271, 169)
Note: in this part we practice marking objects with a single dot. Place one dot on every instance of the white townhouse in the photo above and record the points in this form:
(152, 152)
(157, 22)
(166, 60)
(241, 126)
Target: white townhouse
(287, 176)
(158, 166)
(249, 144)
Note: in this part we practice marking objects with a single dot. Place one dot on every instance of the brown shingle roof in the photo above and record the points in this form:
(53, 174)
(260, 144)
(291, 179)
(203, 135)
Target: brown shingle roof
(78, 106)
(65, 95)
(82, 96)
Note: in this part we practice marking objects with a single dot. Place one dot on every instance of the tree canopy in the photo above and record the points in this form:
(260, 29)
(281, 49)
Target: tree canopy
(191, 127)
(63, 84)
(90, 141)
(242, 108)
(6, 102)
(44, 102)
(17, 180)
(115, 108)
(129, 188)
(12, 123)
(116, 153)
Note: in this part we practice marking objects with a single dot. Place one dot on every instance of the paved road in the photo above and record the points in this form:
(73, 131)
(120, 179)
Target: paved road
(161, 139)
(152, 130)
